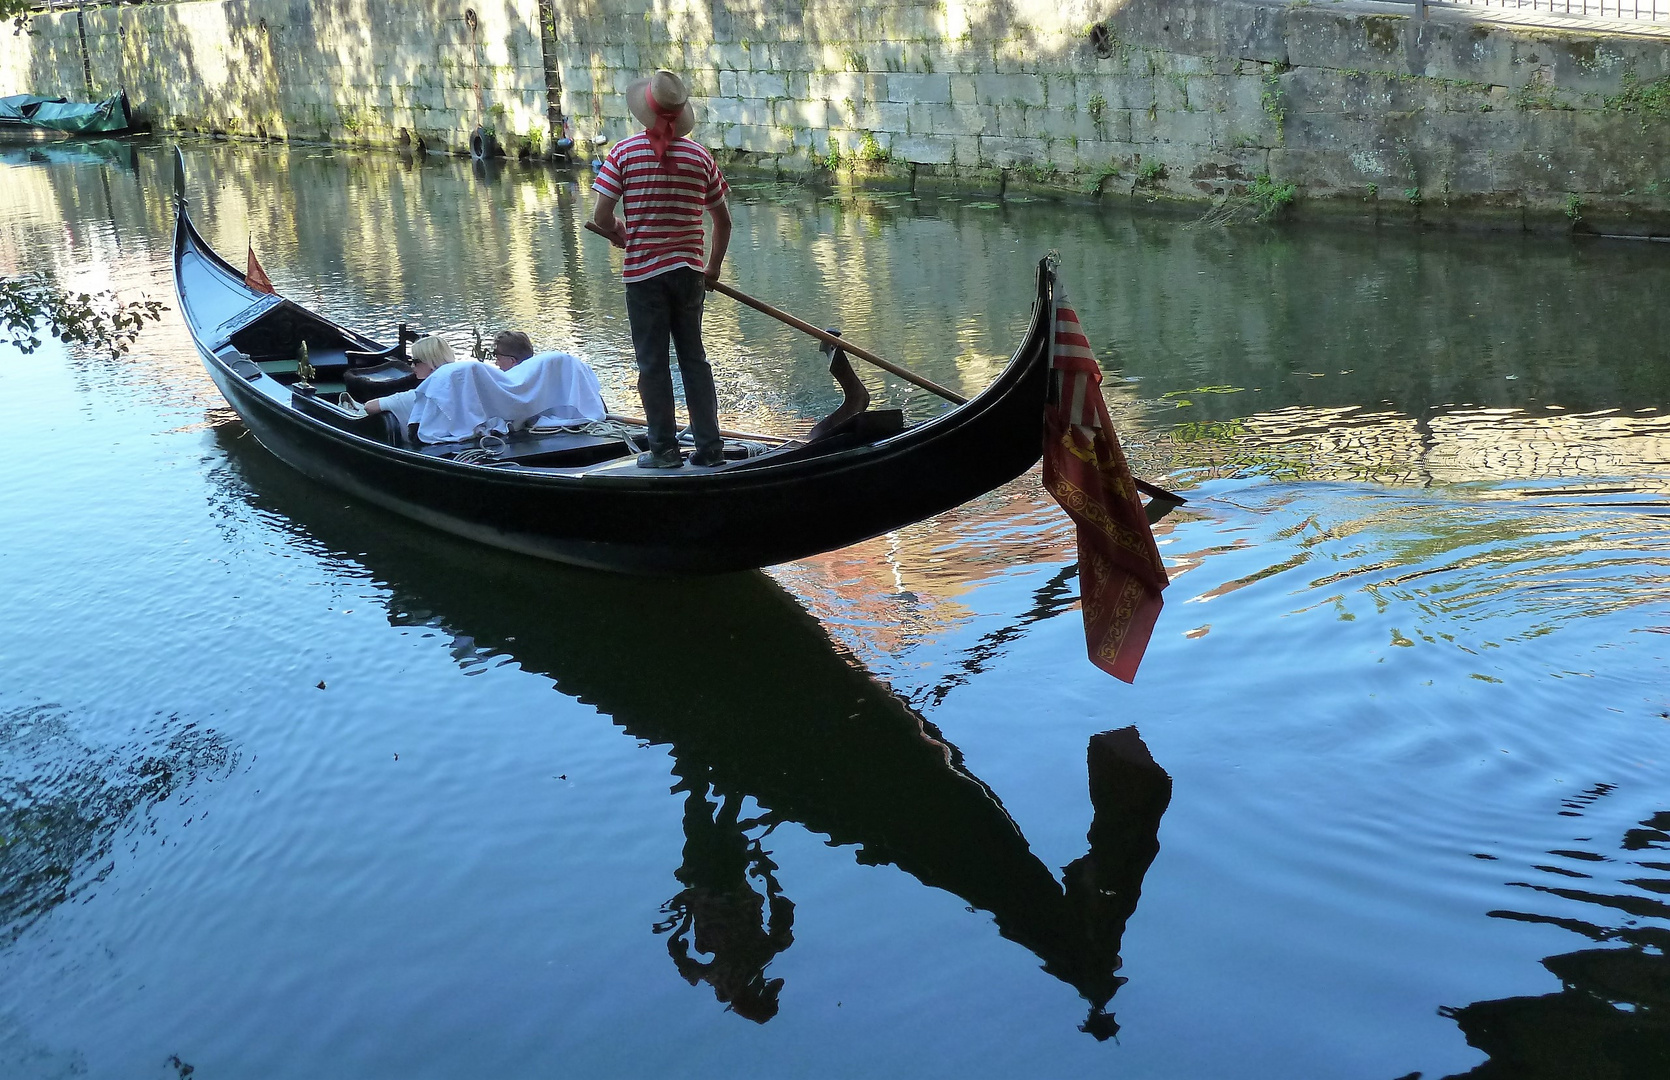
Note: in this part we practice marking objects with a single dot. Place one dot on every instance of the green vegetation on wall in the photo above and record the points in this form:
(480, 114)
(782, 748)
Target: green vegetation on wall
(1643, 99)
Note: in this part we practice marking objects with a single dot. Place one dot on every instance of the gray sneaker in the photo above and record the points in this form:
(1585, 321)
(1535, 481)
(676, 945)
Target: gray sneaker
(672, 459)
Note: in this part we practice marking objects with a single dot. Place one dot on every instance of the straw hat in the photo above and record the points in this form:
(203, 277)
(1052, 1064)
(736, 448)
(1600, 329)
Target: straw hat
(670, 92)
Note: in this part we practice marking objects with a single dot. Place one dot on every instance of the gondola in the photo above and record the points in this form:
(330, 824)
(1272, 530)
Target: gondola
(579, 498)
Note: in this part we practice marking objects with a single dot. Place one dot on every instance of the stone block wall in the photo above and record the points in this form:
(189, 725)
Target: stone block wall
(374, 72)
(1363, 108)
(48, 56)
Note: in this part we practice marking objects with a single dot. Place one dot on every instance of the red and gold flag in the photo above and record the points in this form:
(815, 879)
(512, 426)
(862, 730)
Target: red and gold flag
(1120, 570)
(255, 277)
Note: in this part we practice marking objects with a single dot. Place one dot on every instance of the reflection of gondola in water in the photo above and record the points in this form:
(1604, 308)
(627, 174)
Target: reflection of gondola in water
(79, 152)
(1611, 1016)
(754, 701)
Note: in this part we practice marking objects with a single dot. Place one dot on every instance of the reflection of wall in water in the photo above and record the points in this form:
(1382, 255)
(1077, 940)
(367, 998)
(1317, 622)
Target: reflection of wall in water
(1460, 447)
(63, 803)
(374, 240)
(1330, 325)
(100, 221)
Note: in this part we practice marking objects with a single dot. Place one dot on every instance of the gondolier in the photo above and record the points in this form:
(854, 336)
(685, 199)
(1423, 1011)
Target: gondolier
(665, 182)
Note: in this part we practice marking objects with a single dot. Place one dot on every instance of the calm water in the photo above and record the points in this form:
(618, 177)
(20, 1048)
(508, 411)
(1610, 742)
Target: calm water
(290, 788)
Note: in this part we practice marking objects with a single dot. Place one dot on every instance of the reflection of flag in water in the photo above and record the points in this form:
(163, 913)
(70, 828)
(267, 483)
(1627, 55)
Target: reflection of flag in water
(1120, 572)
(255, 277)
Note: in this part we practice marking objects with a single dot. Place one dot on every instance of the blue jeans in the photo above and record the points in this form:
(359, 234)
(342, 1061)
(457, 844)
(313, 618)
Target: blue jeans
(669, 306)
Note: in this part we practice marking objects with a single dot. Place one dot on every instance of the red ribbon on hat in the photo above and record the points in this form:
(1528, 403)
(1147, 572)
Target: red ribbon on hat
(664, 130)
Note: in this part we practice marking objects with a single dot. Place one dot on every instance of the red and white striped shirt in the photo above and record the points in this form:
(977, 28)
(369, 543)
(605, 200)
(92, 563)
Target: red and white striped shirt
(664, 203)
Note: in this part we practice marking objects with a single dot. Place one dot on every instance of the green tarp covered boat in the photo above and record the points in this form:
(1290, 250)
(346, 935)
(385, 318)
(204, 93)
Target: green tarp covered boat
(40, 116)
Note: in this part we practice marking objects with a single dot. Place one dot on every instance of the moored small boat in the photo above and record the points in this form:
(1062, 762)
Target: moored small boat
(30, 116)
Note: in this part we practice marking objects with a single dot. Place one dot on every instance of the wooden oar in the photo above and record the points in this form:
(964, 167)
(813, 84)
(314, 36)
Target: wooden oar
(824, 336)
(841, 343)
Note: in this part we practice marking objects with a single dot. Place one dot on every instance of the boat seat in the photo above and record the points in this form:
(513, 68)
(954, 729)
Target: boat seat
(361, 359)
(382, 426)
(278, 334)
(562, 450)
(328, 358)
(389, 429)
(331, 360)
(380, 380)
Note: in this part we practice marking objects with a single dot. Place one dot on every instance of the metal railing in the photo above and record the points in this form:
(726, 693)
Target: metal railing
(41, 7)
(1644, 10)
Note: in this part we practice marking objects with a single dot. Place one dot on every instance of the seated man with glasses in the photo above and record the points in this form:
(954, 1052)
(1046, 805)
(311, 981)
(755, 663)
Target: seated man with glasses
(510, 348)
(561, 385)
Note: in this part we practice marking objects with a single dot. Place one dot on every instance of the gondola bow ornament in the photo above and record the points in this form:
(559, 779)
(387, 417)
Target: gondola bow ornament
(1120, 570)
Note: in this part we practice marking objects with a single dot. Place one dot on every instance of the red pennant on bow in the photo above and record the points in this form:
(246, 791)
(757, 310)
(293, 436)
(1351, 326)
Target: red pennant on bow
(255, 277)
(1120, 570)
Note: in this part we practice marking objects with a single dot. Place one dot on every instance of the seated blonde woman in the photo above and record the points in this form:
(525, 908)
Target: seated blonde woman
(428, 354)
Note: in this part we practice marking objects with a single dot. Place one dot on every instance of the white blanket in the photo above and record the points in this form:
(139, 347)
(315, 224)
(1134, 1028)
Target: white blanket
(467, 398)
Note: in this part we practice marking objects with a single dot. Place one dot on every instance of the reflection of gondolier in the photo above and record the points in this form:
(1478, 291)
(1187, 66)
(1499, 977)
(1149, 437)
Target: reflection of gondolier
(665, 183)
(719, 912)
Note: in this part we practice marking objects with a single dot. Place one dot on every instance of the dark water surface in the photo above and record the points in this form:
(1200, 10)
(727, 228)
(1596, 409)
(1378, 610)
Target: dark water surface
(291, 788)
